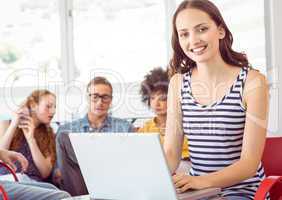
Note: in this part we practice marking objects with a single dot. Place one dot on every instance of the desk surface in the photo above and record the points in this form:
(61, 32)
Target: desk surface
(190, 195)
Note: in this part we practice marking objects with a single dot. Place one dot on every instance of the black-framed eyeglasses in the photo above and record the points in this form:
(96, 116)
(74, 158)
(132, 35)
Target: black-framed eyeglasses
(105, 98)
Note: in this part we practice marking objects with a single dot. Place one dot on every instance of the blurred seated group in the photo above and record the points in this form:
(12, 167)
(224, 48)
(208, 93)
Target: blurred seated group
(51, 158)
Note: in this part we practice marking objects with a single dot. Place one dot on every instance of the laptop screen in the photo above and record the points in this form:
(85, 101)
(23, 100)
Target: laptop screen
(123, 166)
(127, 166)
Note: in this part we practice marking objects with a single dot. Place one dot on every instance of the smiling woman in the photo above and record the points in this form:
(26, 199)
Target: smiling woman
(218, 102)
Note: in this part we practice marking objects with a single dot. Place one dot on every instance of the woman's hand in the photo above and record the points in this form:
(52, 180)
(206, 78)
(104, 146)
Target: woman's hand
(16, 118)
(185, 182)
(26, 123)
(9, 157)
(18, 114)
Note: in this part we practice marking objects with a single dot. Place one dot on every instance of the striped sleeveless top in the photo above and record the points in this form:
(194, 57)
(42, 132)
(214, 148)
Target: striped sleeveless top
(215, 133)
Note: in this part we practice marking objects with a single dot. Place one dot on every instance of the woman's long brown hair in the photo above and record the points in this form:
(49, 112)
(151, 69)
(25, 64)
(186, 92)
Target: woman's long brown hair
(43, 134)
(180, 63)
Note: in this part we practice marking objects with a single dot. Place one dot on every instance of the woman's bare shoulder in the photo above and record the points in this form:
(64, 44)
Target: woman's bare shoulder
(254, 81)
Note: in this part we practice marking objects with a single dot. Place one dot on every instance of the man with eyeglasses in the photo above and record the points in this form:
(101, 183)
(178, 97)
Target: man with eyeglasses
(97, 119)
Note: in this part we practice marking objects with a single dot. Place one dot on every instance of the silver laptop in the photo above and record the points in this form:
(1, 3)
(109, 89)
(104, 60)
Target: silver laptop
(126, 166)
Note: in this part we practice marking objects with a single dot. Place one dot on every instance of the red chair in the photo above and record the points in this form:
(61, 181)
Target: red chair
(272, 162)
(3, 193)
(2, 190)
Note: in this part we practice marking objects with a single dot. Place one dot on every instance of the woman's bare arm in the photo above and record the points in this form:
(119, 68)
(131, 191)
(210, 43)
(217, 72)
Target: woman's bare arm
(174, 135)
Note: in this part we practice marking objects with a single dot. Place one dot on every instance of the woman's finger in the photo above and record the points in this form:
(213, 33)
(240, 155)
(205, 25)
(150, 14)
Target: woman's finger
(12, 165)
(23, 125)
(185, 188)
(177, 177)
(181, 182)
(23, 122)
(23, 161)
(26, 118)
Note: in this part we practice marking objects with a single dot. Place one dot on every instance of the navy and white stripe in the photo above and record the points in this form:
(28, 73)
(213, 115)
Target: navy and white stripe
(215, 133)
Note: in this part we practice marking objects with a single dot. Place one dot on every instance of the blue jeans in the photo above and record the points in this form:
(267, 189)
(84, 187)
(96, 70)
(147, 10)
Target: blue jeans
(32, 191)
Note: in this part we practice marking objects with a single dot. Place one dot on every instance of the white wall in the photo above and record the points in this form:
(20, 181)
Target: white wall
(273, 23)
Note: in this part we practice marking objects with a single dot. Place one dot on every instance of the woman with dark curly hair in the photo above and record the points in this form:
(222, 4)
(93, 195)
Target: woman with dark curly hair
(154, 93)
(29, 133)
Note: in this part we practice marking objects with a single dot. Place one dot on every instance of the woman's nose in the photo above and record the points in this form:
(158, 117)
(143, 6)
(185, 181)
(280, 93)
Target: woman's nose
(193, 38)
(157, 103)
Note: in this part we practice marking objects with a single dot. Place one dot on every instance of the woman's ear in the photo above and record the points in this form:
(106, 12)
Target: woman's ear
(221, 32)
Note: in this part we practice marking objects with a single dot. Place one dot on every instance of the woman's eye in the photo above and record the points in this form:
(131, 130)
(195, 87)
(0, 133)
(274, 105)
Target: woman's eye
(163, 97)
(203, 29)
(184, 34)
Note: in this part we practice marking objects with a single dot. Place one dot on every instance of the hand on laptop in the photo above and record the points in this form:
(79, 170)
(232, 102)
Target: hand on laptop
(183, 182)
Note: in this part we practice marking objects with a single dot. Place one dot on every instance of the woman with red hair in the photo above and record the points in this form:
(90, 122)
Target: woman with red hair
(29, 133)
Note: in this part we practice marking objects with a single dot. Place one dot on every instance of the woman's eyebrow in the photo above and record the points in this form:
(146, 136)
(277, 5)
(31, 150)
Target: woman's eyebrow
(198, 25)
(202, 24)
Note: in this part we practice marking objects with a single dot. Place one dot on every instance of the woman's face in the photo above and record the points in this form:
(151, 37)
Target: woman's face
(198, 35)
(158, 102)
(46, 108)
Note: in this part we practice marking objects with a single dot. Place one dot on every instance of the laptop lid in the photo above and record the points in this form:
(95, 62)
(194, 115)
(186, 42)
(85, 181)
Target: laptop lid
(127, 166)
(123, 166)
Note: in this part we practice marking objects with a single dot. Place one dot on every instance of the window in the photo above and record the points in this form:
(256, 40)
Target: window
(246, 23)
(29, 43)
(124, 38)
